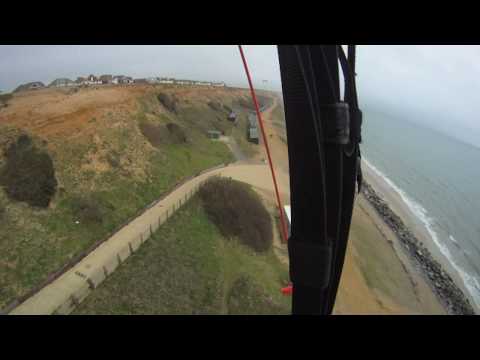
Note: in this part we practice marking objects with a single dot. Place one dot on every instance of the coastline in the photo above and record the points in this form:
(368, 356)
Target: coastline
(414, 241)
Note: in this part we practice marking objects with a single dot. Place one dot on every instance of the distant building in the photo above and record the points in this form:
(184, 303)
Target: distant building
(214, 134)
(92, 80)
(122, 79)
(252, 129)
(252, 120)
(253, 135)
(152, 80)
(203, 83)
(232, 116)
(183, 82)
(62, 82)
(140, 81)
(30, 86)
(166, 81)
(106, 79)
(80, 80)
(219, 84)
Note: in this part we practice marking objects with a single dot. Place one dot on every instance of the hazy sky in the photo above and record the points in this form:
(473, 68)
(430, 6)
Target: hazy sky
(434, 85)
(19, 64)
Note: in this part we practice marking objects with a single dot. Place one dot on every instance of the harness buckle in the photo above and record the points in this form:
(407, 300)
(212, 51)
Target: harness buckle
(336, 120)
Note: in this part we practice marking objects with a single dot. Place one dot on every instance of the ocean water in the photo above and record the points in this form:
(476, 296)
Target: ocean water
(438, 177)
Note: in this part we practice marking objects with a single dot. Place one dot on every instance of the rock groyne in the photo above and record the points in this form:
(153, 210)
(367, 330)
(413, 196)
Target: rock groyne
(452, 298)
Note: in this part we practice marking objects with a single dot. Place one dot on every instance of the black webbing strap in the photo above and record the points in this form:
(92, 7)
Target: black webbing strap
(348, 179)
(307, 185)
(318, 132)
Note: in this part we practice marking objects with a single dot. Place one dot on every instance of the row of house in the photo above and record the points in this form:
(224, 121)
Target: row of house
(118, 79)
(164, 80)
(104, 80)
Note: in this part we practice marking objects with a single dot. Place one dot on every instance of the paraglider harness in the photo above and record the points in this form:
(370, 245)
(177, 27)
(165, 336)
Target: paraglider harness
(323, 134)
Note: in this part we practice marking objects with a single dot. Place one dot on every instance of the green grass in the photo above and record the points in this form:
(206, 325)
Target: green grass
(188, 268)
(34, 243)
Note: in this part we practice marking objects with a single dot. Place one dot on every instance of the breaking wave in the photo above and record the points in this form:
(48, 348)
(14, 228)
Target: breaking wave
(471, 283)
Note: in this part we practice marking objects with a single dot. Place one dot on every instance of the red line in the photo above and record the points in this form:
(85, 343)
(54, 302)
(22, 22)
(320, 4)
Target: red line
(254, 97)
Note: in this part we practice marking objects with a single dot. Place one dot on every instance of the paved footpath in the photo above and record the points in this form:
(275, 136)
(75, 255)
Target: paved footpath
(67, 291)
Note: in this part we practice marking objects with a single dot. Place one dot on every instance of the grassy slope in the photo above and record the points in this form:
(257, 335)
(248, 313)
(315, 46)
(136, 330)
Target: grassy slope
(188, 268)
(34, 243)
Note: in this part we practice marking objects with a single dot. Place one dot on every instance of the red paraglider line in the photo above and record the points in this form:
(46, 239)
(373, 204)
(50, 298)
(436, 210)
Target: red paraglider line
(260, 120)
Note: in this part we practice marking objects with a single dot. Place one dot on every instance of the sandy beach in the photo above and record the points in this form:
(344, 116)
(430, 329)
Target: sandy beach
(420, 243)
(379, 276)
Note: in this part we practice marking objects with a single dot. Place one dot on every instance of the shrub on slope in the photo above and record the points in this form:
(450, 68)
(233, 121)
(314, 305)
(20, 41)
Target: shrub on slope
(238, 212)
(168, 101)
(29, 174)
(159, 134)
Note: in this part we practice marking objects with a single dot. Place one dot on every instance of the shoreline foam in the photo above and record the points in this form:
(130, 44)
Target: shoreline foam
(450, 294)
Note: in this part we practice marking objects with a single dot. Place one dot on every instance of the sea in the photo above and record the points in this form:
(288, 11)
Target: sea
(438, 178)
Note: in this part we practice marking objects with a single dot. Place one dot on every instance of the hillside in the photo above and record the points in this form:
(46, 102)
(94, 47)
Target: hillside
(114, 150)
(192, 266)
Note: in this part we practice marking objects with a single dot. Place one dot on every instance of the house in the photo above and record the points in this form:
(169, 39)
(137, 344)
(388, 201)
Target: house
(203, 83)
(252, 134)
(252, 130)
(184, 82)
(122, 79)
(118, 79)
(166, 81)
(36, 85)
(80, 80)
(62, 82)
(106, 79)
(214, 134)
(93, 80)
(152, 80)
(252, 120)
(219, 84)
(140, 81)
(232, 116)
(30, 86)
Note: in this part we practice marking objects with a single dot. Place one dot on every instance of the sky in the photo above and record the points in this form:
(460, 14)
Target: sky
(438, 86)
(20, 64)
